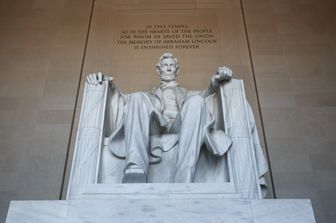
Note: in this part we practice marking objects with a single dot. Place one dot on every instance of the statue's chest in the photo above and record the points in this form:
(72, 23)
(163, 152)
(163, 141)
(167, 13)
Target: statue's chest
(170, 102)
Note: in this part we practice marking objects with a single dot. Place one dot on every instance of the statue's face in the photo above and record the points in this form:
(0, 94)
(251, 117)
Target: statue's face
(168, 69)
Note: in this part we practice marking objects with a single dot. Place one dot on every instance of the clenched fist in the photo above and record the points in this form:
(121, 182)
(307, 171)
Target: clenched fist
(223, 74)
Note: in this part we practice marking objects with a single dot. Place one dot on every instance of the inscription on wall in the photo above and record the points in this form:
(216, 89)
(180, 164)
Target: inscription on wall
(167, 36)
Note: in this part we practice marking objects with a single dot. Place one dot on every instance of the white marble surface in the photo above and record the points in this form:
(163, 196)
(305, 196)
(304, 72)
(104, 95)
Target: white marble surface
(37, 211)
(285, 211)
(85, 165)
(162, 210)
(157, 190)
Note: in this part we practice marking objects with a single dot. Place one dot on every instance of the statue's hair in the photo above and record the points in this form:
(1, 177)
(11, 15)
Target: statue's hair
(165, 56)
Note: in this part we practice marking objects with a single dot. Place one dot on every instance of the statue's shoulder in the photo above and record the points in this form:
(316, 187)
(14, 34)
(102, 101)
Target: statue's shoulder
(182, 89)
(154, 91)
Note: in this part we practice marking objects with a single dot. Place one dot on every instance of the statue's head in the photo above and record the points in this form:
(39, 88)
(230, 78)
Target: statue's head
(167, 67)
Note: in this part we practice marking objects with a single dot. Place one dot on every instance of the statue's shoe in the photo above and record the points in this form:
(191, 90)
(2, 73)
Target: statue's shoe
(134, 175)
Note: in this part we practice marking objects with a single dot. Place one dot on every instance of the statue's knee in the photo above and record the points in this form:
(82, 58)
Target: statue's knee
(138, 97)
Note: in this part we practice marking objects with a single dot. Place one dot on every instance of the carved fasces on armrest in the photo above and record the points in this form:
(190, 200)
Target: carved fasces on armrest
(242, 155)
(86, 156)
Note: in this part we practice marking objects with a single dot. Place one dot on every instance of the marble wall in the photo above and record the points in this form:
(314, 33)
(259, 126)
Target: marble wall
(293, 47)
(283, 49)
(41, 51)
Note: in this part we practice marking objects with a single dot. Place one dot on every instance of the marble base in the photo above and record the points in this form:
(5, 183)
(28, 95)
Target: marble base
(161, 210)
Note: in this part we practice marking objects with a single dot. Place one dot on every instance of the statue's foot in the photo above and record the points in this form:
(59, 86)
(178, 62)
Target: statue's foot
(134, 175)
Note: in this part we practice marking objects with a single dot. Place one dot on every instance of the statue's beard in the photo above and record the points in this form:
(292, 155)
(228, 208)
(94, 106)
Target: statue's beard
(167, 77)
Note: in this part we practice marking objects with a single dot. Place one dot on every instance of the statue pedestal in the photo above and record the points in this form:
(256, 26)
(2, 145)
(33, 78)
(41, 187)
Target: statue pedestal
(161, 210)
(160, 203)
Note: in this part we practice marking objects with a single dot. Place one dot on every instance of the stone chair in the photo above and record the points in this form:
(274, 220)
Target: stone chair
(239, 173)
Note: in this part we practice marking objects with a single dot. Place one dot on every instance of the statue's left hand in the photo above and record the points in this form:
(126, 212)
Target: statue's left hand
(223, 74)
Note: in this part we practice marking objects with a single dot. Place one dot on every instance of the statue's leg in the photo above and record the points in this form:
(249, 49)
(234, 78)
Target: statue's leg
(193, 121)
(137, 119)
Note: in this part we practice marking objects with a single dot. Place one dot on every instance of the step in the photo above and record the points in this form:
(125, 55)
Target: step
(196, 210)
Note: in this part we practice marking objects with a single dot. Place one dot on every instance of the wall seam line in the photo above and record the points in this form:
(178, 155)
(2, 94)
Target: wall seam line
(76, 102)
(257, 94)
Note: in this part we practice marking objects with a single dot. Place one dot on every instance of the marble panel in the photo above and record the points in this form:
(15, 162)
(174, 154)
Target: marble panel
(163, 210)
(51, 131)
(56, 103)
(62, 88)
(53, 212)
(182, 210)
(328, 206)
(18, 117)
(177, 6)
(262, 29)
(307, 85)
(11, 180)
(304, 193)
(277, 100)
(266, 44)
(12, 155)
(54, 116)
(298, 180)
(270, 63)
(6, 197)
(289, 154)
(47, 4)
(309, 48)
(323, 161)
(42, 159)
(316, 99)
(320, 145)
(327, 181)
(274, 83)
(14, 132)
(304, 65)
(16, 103)
(264, 211)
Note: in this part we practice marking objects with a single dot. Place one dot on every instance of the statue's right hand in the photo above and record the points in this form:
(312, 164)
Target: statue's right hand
(98, 78)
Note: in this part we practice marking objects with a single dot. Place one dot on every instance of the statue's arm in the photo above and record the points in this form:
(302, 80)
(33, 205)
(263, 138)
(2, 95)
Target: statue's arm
(223, 74)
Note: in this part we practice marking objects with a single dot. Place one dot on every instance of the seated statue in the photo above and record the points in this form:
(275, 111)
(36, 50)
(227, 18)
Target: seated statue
(158, 120)
(168, 135)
